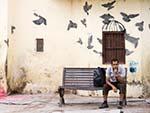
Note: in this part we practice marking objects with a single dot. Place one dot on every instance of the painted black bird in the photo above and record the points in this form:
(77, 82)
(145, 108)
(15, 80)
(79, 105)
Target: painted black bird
(7, 42)
(107, 18)
(140, 26)
(95, 51)
(71, 25)
(126, 17)
(90, 46)
(128, 52)
(12, 29)
(132, 40)
(84, 22)
(80, 41)
(109, 5)
(40, 20)
(100, 40)
(87, 7)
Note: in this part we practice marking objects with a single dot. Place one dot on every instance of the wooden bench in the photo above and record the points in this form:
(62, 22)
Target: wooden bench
(79, 79)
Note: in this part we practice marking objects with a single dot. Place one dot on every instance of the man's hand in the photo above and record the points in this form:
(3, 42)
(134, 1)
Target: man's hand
(120, 79)
(114, 89)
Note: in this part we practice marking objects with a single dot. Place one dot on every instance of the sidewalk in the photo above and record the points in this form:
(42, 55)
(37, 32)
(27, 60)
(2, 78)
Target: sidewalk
(48, 103)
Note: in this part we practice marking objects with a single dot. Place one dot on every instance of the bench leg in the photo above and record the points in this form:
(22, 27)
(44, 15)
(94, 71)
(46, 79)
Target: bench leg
(125, 98)
(61, 94)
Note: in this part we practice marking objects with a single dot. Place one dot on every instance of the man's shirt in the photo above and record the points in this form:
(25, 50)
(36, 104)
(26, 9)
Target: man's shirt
(110, 74)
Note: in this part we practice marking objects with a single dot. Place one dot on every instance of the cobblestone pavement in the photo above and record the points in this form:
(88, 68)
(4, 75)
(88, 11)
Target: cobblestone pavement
(48, 103)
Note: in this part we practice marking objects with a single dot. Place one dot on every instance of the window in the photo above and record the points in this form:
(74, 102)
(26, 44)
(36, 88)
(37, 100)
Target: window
(113, 46)
(39, 45)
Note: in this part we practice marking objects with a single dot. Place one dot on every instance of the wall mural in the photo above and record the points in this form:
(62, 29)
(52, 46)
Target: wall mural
(140, 25)
(12, 29)
(127, 18)
(84, 22)
(90, 39)
(132, 40)
(87, 7)
(109, 5)
(71, 25)
(40, 20)
(106, 19)
(80, 41)
(7, 42)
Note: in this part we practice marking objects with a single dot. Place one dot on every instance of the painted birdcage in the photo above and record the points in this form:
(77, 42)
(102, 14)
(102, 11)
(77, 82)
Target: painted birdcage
(114, 25)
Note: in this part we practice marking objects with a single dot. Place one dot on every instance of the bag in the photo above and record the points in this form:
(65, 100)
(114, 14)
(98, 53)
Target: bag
(99, 77)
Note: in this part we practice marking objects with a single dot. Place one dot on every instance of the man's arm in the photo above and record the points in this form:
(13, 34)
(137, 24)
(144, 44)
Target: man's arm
(111, 85)
(121, 77)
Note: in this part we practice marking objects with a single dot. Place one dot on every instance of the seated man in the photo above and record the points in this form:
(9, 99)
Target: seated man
(115, 79)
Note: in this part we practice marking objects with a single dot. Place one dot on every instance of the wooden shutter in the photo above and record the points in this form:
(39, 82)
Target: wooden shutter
(39, 45)
(113, 46)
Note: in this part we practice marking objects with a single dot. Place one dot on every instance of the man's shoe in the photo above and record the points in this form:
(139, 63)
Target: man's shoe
(120, 106)
(104, 105)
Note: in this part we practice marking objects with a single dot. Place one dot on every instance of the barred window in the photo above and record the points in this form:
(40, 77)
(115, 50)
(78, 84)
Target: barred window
(113, 46)
(39, 45)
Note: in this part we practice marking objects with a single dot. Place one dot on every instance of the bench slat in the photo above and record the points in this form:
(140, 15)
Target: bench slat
(78, 79)
(79, 74)
(83, 88)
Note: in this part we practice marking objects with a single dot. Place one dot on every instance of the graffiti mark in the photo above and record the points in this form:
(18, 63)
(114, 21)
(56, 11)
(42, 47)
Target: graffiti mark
(140, 25)
(71, 25)
(126, 17)
(87, 7)
(84, 22)
(109, 5)
(131, 39)
(12, 29)
(95, 51)
(100, 40)
(90, 46)
(80, 41)
(7, 42)
(106, 18)
(40, 20)
(133, 66)
(128, 52)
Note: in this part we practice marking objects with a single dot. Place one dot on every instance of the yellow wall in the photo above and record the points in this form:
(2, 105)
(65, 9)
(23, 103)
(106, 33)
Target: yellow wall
(43, 71)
